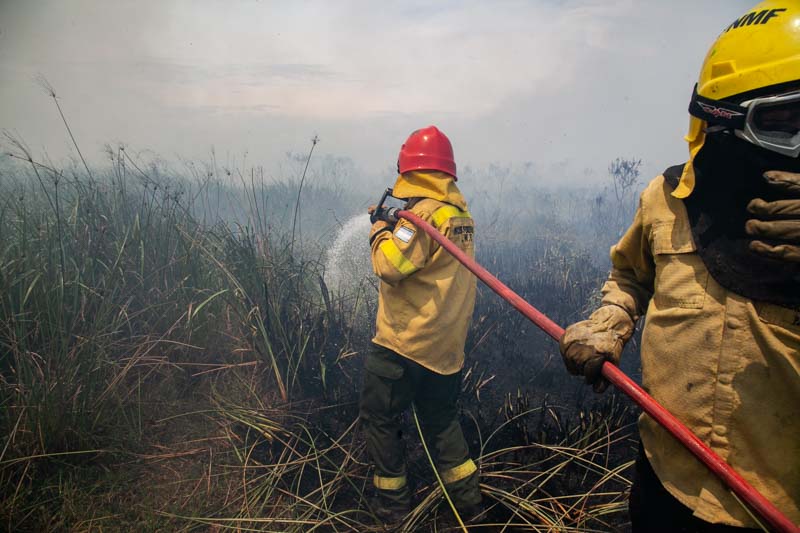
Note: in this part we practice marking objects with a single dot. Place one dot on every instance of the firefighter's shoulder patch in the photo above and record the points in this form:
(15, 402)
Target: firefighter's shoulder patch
(404, 233)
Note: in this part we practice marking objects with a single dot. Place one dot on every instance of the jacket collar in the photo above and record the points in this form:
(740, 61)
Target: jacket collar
(429, 184)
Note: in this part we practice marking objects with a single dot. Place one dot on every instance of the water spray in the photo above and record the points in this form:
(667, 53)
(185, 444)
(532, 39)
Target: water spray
(614, 375)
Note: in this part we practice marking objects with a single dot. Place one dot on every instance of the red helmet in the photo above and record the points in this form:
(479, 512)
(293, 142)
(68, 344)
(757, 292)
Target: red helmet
(427, 149)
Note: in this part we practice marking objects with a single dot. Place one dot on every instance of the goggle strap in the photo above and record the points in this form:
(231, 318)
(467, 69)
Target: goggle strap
(718, 112)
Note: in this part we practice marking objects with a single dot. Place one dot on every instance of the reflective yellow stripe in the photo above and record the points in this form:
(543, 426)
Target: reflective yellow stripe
(389, 483)
(459, 472)
(396, 257)
(445, 213)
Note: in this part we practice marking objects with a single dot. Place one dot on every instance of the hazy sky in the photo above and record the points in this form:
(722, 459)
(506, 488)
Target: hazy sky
(568, 85)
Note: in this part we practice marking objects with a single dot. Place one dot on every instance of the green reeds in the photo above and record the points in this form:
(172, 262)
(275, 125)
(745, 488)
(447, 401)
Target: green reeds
(111, 293)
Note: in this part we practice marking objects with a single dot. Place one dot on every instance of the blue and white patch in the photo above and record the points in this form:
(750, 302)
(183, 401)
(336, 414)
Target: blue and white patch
(404, 233)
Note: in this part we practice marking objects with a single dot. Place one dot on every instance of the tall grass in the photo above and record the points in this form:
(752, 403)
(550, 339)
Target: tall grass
(171, 359)
(112, 290)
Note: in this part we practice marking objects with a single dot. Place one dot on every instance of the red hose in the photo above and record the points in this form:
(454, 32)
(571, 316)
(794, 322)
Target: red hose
(728, 475)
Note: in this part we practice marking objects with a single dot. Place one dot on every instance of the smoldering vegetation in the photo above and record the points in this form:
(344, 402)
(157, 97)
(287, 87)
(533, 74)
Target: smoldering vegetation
(180, 350)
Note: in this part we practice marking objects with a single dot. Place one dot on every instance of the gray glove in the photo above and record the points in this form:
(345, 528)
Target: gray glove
(778, 221)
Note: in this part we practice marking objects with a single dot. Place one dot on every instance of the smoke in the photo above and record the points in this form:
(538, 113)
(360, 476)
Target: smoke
(568, 85)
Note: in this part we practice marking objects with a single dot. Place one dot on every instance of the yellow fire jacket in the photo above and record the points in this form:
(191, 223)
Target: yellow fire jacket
(426, 297)
(726, 366)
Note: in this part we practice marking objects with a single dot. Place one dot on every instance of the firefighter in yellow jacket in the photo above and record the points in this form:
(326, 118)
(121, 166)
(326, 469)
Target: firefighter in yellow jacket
(712, 260)
(425, 306)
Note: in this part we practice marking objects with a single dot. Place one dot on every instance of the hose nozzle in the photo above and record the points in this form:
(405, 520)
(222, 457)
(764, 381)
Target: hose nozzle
(387, 214)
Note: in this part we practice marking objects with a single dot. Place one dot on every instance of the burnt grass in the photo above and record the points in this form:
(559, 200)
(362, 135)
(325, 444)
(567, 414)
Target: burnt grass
(513, 368)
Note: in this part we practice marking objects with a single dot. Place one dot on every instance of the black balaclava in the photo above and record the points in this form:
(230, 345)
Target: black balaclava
(729, 173)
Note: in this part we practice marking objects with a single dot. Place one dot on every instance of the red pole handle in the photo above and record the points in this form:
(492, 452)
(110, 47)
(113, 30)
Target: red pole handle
(617, 377)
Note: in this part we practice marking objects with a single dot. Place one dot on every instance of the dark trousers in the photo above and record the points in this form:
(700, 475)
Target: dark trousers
(654, 510)
(392, 384)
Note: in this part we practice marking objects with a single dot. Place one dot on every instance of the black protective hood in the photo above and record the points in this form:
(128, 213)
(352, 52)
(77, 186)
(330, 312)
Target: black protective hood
(729, 173)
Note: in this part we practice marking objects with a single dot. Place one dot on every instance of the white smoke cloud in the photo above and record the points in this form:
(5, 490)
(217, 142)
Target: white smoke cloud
(550, 82)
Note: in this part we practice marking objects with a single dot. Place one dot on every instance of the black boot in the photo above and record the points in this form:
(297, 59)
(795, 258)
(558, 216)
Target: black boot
(390, 507)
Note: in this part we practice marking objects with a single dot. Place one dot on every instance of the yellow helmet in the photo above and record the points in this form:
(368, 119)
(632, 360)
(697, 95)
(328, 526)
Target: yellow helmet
(757, 55)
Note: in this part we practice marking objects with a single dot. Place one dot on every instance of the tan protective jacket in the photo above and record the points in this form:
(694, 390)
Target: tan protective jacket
(726, 366)
(426, 297)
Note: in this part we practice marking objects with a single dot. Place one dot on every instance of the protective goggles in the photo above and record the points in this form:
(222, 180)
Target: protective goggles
(771, 122)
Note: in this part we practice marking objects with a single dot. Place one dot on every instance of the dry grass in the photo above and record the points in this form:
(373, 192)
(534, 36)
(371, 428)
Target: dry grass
(171, 361)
